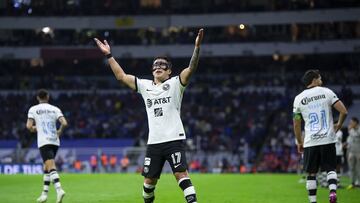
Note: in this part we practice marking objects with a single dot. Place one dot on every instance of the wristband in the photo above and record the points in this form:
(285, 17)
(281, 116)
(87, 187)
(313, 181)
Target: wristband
(108, 56)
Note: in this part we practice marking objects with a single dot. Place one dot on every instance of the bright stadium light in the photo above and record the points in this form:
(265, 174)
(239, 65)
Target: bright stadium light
(276, 57)
(46, 30)
(242, 26)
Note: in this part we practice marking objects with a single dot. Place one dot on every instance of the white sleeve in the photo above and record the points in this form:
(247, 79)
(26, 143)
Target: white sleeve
(58, 113)
(339, 135)
(296, 106)
(353, 132)
(332, 97)
(179, 84)
(349, 138)
(140, 86)
(31, 113)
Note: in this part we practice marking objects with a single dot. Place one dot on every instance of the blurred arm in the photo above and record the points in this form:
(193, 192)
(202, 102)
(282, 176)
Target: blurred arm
(30, 125)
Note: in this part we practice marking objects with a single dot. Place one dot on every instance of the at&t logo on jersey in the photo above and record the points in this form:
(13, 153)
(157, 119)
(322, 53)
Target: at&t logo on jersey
(153, 102)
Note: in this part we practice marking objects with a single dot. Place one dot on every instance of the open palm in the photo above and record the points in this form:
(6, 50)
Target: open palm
(104, 47)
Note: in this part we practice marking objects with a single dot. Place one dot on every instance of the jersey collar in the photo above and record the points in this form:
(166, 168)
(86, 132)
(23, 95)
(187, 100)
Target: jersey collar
(161, 83)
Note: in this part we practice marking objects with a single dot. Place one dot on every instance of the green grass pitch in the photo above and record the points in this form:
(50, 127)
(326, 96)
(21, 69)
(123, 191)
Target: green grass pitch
(127, 188)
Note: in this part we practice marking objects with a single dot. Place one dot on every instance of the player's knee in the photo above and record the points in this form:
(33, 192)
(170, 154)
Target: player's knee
(150, 181)
(49, 162)
(312, 174)
(181, 175)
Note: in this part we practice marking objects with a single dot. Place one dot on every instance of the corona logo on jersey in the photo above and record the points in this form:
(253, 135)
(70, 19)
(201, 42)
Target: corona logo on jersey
(40, 111)
(307, 100)
(157, 101)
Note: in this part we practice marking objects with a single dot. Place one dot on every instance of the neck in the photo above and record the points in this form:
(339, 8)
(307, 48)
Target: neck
(158, 81)
(41, 102)
(311, 85)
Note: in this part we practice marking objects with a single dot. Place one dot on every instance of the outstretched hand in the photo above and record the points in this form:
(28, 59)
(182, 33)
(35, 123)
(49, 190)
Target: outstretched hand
(104, 47)
(199, 37)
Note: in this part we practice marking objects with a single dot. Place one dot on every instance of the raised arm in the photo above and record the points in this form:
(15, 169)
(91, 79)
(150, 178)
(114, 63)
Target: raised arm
(119, 73)
(187, 72)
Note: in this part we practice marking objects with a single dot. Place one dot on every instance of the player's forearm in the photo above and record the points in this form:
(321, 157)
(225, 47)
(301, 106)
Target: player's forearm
(297, 132)
(32, 129)
(116, 69)
(61, 129)
(341, 120)
(298, 137)
(194, 59)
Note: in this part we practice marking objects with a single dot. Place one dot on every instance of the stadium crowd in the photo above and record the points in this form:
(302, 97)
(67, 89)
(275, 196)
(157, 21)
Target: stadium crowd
(221, 112)
(145, 7)
(180, 35)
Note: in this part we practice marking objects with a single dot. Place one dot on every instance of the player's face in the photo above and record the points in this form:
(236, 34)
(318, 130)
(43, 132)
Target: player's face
(352, 124)
(160, 69)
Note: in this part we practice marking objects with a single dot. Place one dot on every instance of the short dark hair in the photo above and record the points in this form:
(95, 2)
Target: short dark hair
(42, 94)
(356, 120)
(166, 58)
(309, 76)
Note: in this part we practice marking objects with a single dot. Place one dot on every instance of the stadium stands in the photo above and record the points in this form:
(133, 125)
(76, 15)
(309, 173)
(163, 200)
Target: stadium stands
(237, 108)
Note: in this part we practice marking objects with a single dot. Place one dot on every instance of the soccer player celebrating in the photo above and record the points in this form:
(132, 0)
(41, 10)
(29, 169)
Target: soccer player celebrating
(314, 106)
(162, 97)
(42, 119)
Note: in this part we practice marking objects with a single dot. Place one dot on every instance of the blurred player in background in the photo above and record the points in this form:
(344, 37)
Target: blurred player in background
(162, 97)
(42, 120)
(353, 150)
(314, 106)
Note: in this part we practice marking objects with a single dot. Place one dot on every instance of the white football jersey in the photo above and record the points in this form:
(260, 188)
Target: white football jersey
(353, 140)
(45, 116)
(163, 103)
(339, 145)
(315, 106)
